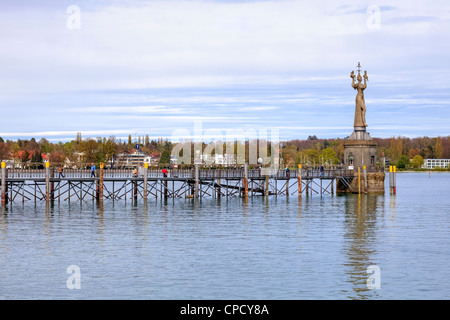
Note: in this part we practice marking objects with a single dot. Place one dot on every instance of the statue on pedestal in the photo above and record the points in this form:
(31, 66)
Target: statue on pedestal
(360, 111)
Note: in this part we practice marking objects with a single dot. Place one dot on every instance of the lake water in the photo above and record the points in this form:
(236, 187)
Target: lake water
(275, 248)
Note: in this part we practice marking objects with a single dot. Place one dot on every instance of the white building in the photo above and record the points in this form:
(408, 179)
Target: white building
(436, 163)
(219, 159)
(131, 160)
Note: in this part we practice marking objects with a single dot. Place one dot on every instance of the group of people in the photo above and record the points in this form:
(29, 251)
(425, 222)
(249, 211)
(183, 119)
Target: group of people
(165, 172)
(61, 171)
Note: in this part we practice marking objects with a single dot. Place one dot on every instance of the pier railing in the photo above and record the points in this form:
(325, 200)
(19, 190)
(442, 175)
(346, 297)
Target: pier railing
(234, 173)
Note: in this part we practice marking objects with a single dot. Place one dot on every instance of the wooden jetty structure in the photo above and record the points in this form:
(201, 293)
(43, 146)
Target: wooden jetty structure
(20, 185)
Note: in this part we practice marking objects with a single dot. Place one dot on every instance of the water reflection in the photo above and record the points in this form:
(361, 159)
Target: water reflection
(360, 235)
(231, 247)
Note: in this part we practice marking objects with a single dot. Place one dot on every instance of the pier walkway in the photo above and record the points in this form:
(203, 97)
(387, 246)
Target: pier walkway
(116, 184)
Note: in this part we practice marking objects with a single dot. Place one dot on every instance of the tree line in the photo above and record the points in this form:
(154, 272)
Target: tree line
(403, 151)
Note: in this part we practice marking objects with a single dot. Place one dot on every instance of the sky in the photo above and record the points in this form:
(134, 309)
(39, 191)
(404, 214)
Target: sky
(164, 68)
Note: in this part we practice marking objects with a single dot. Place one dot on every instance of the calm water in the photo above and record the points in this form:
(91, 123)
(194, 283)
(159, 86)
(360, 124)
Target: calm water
(319, 248)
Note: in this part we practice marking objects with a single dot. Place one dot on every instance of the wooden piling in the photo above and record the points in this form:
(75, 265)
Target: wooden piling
(299, 180)
(287, 183)
(359, 180)
(390, 179)
(365, 179)
(52, 184)
(245, 180)
(196, 193)
(267, 184)
(218, 182)
(145, 180)
(4, 196)
(394, 186)
(47, 181)
(100, 184)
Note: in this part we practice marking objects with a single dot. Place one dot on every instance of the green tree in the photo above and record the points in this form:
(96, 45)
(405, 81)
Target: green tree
(402, 162)
(311, 156)
(417, 162)
(165, 157)
(329, 156)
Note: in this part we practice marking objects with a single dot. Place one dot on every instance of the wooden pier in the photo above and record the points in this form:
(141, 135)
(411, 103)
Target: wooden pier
(20, 185)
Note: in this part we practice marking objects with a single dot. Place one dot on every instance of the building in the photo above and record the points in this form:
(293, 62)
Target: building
(131, 160)
(436, 163)
(218, 159)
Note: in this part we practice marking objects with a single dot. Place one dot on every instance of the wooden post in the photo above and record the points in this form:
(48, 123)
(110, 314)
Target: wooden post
(100, 185)
(52, 184)
(299, 180)
(218, 182)
(165, 189)
(196, 182)
(390, 179)
(4, 190)
(365, 179)
(135, 190)
(145, 180)
(359, 180)
(47, 181)
(246, 180)
(394, 187)
(287, 183)
(267, 184)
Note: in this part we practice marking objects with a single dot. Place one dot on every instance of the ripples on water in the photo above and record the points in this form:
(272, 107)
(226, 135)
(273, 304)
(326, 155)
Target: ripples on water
(276, 248)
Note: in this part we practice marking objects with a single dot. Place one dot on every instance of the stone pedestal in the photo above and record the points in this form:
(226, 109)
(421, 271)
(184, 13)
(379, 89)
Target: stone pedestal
(360, 151)
(375, 184)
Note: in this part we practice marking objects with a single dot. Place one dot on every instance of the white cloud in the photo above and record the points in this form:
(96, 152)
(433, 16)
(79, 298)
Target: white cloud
(306, 48)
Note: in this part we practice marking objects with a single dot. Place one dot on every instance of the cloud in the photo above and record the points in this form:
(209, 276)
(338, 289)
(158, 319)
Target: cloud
(260, 63)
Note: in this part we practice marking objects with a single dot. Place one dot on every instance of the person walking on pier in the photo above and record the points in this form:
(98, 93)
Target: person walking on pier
(287, 172)
(164, 171)
(60, 171)
(92, 170)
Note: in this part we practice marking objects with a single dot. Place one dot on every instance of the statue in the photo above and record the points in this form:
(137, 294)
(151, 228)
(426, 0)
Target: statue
(360, 111)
